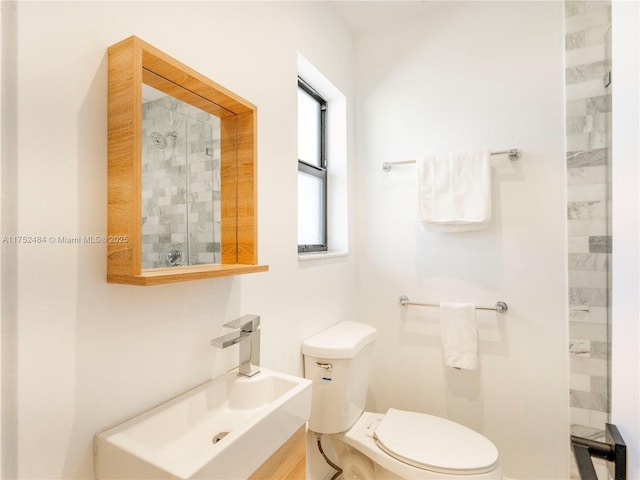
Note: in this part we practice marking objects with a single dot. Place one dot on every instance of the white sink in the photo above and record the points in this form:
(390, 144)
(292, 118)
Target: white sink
(222, 430)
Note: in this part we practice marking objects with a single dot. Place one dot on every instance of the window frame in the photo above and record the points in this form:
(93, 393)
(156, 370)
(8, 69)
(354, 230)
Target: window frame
(317, 171)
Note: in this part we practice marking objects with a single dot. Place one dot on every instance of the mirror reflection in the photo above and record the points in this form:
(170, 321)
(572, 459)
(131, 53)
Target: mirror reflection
(180, 182)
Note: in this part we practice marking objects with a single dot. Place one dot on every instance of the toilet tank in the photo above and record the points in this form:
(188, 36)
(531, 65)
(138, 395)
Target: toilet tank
(337, 361)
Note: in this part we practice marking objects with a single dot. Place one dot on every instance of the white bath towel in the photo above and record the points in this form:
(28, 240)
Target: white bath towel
(454, 191)
(459, 335)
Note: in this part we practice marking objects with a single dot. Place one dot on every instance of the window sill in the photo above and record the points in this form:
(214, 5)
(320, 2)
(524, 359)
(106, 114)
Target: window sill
(320, 255)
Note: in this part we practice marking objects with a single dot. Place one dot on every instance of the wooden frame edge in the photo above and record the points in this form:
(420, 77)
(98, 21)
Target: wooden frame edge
(127, 59)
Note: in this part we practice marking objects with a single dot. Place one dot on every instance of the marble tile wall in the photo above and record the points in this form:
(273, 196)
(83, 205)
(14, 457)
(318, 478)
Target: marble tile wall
(588, 109)
(180, 184)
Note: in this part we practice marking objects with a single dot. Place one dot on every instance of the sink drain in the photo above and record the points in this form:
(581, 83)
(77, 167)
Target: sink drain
(219, 437)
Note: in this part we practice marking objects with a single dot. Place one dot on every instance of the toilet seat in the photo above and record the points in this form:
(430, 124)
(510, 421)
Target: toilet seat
(434, 444)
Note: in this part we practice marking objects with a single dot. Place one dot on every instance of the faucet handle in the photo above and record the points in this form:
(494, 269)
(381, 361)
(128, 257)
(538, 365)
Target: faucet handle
(246, 323)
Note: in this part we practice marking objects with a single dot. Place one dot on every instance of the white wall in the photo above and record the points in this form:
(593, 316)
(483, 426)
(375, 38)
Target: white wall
(625, 381)
(460, 76)
(91, 353)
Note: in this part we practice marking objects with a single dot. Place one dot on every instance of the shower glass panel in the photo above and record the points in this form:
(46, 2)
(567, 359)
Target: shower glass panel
(180, 183)
(589, 160)
(609, 167)
(203, 158)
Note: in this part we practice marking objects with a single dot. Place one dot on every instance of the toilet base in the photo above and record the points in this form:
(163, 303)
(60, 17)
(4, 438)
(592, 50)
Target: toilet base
(362, 459)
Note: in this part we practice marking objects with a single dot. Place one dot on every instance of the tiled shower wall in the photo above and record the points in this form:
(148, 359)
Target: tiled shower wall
(588, 109)
(180, 184)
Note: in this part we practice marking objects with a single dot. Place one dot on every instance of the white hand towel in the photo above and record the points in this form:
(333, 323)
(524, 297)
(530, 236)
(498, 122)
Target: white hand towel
(459, 335)
(454, 191)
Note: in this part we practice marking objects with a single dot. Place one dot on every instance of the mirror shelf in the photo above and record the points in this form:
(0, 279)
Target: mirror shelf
(159, 276)
(132, 63)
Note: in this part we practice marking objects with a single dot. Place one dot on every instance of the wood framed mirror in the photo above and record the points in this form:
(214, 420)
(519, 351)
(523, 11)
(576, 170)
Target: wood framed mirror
(148, 243)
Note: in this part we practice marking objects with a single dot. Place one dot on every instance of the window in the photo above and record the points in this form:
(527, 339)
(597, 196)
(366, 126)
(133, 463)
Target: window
(312, 170)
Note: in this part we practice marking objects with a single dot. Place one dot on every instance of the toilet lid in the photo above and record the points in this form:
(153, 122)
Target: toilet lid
(434, 443)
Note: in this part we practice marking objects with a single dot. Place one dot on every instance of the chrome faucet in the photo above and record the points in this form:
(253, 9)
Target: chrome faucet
(248, 336)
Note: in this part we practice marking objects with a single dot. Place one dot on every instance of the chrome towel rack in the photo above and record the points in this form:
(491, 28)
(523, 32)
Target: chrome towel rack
(500, 307)
(514, 154)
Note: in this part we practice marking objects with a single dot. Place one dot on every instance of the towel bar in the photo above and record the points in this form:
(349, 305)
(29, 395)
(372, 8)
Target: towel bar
(500, 307)
(514, 154)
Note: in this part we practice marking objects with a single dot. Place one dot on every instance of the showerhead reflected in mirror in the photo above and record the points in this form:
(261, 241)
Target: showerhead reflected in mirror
(161, 140)
(181, 188)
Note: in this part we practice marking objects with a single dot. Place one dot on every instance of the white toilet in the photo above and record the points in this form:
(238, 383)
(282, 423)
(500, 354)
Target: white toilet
(394, 445)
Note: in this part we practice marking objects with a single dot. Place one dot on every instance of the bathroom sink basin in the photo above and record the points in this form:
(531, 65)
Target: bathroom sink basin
(224, 429)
